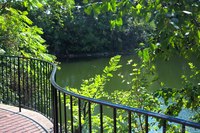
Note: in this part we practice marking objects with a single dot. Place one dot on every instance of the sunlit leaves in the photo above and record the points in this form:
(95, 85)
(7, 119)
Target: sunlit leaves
(144, 54)
(138, 7)
(88, 10)
(1, 51)
(94, 88)
(32, 3)
(187, 96)
(21, 37)
(137, 96)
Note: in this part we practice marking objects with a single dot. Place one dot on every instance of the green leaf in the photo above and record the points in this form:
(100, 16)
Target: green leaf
(2, 51)
(26, 3)
(25, 13)
(114, 5)
(157, 1)
(96, 9)
(138, 6)
(39, 5)
(109, 75)
(140, 54)
(27, 20)
(1, 19)
(119, 22)
(112, 23)
(88, 10)
(198, 34)
(146, 55)
(109, 7)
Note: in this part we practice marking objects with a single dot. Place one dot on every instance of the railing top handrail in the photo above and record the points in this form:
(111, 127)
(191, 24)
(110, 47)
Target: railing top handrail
(112, 105)
(31, 58)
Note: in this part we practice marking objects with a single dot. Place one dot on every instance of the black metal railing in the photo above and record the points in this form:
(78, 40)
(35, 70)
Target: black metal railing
(30, 83)
(24, 82)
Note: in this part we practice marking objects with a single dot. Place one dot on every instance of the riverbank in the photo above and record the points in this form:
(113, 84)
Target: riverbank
(92, 55)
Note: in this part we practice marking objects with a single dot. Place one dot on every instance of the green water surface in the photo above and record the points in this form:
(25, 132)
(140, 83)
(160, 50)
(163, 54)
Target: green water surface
(73, 72)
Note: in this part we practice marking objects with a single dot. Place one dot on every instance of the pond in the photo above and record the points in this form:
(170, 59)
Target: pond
(74, 71)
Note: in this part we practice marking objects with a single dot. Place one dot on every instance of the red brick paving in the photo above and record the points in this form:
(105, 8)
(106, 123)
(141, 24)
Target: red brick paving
(13, 122)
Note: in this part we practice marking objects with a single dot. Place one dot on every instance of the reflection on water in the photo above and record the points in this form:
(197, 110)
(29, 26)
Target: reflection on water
(73, 72)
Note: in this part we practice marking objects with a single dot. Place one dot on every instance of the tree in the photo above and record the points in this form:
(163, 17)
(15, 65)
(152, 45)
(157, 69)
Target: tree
(73, 31)
(18, 35)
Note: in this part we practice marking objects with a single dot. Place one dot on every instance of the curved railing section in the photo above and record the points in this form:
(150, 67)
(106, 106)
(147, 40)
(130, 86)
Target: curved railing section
(24, 82)
(30, 83)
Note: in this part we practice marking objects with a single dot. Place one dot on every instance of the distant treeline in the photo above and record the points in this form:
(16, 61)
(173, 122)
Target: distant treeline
(82, 34)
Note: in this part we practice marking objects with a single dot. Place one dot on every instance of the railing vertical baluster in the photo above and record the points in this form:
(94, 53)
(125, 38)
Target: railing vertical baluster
(89, 117)
(129, 121)
(11, 79)
(79, 114)
(146, 124)
(41, 89)
(114, 120)
(14, 75)
(31, 82)
(23, 79)
(7, 79)
(27, 82)
(34, 84)
(51, 68)
(65, 112)
(164, 126)
(101, 118)
(44, 87)
(46, 91)
(49, 92)
(183, 128)
(2, 74)
(38, 86)
(8, 76)
(19, 84)
(60, 111)
(51, 85)
(71, 111)
(55, 109)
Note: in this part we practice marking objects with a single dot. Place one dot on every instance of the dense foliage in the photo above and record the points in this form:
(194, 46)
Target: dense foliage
(18, 34)
(176, 33)
(177, 22)
(82, 33)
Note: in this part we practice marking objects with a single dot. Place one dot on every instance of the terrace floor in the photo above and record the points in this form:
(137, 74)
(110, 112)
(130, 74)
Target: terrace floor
(26, 121)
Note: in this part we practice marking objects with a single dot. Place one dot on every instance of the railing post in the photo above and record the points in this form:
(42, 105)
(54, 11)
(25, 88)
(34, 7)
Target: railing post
(19, 87)
(55, 109)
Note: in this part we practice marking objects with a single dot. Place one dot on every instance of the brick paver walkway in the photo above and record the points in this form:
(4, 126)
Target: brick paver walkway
(12, 121)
